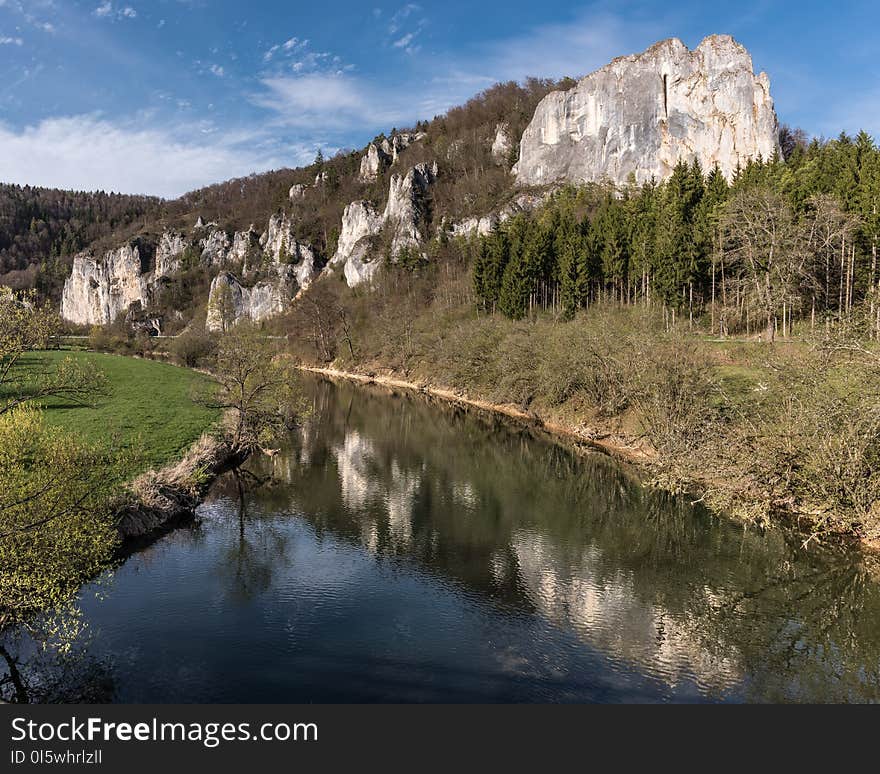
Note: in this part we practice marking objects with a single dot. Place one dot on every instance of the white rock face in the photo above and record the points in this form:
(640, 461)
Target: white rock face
(360, 222)
(265, 299)
(404, 213)
(215, 248)
(502, 144)
(406, 207)
(641, 114)
(171, 245)
(279, 236)
(372, 163)
(99, 289)
(297, 191)
(384, 154)
(243, 244)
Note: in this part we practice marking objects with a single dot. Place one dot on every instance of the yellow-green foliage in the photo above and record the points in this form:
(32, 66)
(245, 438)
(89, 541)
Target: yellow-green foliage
(55, 528)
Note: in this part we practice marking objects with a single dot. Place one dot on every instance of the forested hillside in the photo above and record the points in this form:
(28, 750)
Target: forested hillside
(42, 228)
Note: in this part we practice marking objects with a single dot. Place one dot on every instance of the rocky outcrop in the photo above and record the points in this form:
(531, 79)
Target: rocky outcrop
(482, 226)
(360, 224)
(278, 238)
(373, 162)
(230, 302)
(381, 155)
(502, 145)
(641, 114)
(171, 246)
(406, 209)
(244, 244)
(215, 248)
(297, 191)
(99, 289)
(283, 267)
(404, 214)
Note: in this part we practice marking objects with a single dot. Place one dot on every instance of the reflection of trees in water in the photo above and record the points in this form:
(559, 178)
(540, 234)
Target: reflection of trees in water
(538, 528)
(262, 546)
(33, 669)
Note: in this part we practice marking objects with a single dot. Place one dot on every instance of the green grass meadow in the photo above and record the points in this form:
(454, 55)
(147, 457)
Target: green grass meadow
(148, 411)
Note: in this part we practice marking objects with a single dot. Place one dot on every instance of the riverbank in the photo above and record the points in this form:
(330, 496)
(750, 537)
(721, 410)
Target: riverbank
(169, 447)
(146, 413)
(723, 495)
(620, 447)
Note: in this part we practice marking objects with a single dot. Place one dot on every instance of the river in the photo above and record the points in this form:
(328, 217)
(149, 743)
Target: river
(404, 551)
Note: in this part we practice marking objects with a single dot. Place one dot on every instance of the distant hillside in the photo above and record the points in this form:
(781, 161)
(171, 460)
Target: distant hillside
(42, 228)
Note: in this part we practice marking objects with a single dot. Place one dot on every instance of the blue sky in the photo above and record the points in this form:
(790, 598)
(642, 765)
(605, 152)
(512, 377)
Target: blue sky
(161, 96)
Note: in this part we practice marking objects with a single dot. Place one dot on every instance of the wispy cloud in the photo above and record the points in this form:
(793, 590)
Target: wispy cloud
(7, 41)
(289, 46)
(333, 101)
(405, 26)
(320, 93)
(106, 10)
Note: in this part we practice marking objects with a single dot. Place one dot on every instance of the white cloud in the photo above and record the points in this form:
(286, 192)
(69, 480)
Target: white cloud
(106, 10)
(321, 92)
(332, 100)
(400, 17)
(86, 152)
(7, 41)
(217, 70)
(287, 47)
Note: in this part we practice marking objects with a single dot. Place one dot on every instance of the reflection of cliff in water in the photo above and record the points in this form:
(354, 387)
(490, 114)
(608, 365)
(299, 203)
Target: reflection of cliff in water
(646, 579)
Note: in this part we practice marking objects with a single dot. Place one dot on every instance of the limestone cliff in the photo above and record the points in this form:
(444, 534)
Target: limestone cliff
(360, 223)
(99, 289)
(171, 245)
(405, 212)
(483, 225)
(502, 145)
(640, 114)
(229, 301)
(103, 287)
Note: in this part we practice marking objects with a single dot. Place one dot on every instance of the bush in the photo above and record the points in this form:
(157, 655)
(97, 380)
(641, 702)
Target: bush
(194, 348)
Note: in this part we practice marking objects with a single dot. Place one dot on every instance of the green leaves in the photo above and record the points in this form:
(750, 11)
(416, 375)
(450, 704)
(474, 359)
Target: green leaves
(55, 528)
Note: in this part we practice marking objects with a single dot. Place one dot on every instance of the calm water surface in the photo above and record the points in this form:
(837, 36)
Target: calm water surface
(409, 552)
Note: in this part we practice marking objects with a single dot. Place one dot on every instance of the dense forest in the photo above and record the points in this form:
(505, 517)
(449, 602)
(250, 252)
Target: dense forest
(787, 238)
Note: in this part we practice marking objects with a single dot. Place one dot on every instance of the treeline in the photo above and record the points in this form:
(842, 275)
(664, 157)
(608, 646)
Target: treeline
(789, 238)
(41, 228)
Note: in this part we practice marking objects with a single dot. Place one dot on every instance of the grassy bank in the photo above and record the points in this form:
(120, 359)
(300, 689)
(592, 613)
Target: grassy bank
(148, 408)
